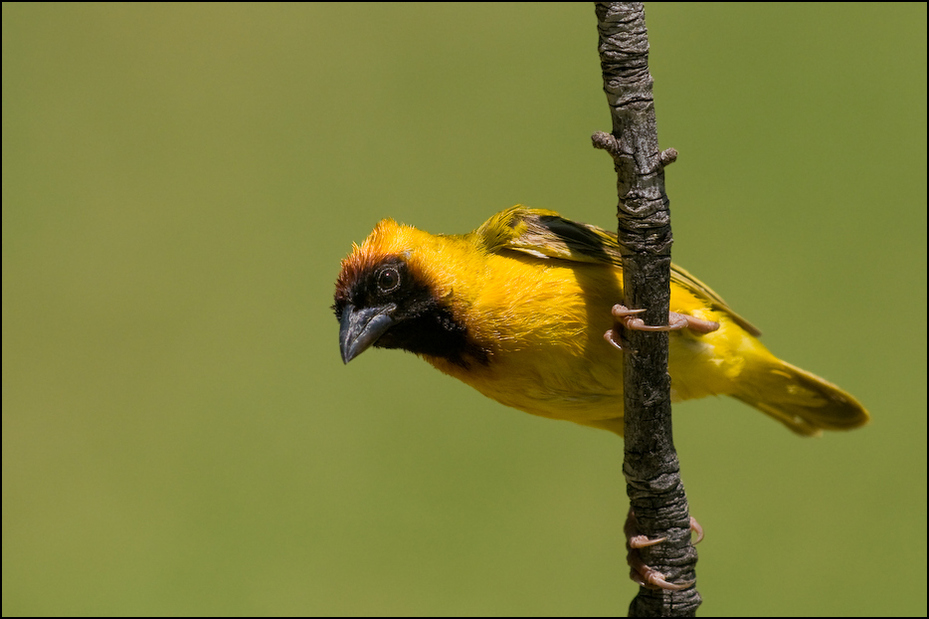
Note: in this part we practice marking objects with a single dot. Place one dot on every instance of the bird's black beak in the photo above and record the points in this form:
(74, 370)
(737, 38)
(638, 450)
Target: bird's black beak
(360, 328)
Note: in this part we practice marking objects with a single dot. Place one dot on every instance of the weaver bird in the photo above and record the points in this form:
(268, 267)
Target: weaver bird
(518, 309)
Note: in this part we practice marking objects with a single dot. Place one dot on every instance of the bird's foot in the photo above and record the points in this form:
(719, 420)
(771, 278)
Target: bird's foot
(641, 574)
(629, 319)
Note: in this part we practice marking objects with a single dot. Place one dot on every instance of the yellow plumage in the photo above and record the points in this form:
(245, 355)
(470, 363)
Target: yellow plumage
(518, 308)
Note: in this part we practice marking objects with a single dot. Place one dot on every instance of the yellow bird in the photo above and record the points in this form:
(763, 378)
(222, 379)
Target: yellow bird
(518, 309)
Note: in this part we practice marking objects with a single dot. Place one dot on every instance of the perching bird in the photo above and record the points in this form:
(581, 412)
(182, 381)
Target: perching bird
(518, 308)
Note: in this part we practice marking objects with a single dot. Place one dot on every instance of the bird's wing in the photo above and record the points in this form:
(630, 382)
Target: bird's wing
(545, 234)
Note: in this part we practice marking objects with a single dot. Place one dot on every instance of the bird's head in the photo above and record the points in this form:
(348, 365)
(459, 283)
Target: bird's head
(394, 291)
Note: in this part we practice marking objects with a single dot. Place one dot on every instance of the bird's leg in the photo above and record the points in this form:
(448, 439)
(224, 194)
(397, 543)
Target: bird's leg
(641, 574)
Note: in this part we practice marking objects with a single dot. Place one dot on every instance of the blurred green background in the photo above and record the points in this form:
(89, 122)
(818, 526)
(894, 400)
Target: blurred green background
(180, 182)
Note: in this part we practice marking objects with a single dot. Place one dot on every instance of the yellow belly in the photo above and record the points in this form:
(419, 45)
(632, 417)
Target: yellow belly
(545, 326)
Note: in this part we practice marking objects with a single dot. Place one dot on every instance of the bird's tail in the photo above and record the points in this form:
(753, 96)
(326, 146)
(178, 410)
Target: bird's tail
(802, 401)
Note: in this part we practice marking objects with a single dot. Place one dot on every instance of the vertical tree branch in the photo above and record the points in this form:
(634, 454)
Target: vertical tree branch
(651, 468)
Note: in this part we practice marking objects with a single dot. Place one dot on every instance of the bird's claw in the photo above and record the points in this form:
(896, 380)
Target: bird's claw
(642, 574)
(629, 319)
(653, 579)
(696, 528)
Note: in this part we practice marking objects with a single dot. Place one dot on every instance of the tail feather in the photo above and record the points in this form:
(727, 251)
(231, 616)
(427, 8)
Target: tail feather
(802, 401)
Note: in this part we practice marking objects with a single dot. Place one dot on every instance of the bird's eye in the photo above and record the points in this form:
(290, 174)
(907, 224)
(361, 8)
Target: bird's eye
(388, 280)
